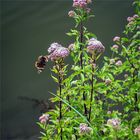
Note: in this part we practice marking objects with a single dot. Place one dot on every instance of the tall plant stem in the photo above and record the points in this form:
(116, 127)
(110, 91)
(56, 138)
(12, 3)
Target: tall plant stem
(91, 96)
(60, 102)
(81, 63)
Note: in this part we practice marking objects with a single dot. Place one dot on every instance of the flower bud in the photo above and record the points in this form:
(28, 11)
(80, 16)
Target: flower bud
(115, 47)
(116, 39)
(44, 118)
(118, 63)
(130, 19)
(135, 16)
(71, 13)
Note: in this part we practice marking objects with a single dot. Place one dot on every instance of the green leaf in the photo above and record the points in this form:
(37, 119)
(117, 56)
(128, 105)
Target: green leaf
(54, 78)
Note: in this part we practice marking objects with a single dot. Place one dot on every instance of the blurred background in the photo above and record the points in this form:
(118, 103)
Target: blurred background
(28, 27)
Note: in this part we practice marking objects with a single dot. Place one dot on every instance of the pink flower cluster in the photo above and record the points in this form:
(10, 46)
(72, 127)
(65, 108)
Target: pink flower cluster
(84, 129)
(81, 3)
(53, 47)
(130, 19)
(57, 52)
(115, 123)
(95, 46)
(44, 118)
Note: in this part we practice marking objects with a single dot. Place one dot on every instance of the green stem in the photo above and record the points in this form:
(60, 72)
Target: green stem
(60, 76)
(91, 96)
(81, 64)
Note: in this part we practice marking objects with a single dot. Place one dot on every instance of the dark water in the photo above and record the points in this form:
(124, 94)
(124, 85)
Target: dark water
(27, 29)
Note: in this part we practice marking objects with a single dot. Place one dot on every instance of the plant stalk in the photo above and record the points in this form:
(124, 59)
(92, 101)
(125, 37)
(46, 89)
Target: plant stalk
(91, 96)
(81, 63)
(60, 102)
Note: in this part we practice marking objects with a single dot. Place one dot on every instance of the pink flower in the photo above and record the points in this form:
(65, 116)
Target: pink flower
(95, 46)
(115, 47)
(118, 63)
(53, 47)
(135, 16)
(71, 13)
(60, 52)
(116, 39)
(115, 123)
(44, 118)
(129, 19)
(137, 130)
(84, 129)
(80, 3)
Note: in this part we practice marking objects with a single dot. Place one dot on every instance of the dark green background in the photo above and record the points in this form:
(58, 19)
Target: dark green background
(28, 27)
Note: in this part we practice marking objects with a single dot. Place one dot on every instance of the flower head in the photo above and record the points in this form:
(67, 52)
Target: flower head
(44, 118)
(130, 19)
(81, 3)
(115, 123)
(116, 39)
(59, 53)
(41, 63)
(118, 63)
(95, 46)
(71, 13)
(135, 16)
(53, 47)
(115, 47)
(84, 129)
(137, 130)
